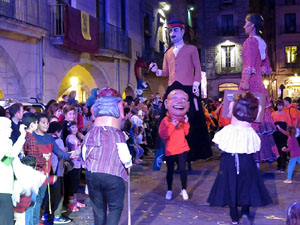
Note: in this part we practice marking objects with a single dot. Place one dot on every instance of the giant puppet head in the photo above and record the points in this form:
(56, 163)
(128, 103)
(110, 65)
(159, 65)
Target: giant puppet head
(109, 104)
(177, 104)
(245, 107)
(176, 30)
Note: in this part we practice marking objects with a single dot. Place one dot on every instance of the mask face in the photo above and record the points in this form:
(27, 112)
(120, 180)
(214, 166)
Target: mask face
(176, 34)
(243, 110)
(177, 103)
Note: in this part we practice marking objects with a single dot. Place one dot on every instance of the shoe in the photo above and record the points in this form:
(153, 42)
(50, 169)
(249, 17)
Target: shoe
(184, 194)
(73, 208)
(245, 220)
(44, 217)
(287, 181)
(80, 205)
(61, 220)
(234, 222)
(169, 195)
(282, 171)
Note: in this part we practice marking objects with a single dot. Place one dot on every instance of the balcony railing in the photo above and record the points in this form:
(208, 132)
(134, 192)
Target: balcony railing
(29, 11)
(230, 31)
(114, 38)
(111, 37)
(287, 30)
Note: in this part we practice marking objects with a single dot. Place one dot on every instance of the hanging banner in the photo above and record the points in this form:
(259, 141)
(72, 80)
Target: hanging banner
(81, 31)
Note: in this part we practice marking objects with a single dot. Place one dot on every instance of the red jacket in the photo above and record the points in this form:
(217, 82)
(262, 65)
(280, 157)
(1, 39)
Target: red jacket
(174, 137)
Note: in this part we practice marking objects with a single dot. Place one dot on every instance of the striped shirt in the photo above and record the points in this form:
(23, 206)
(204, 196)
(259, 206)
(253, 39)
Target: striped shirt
(102, 153)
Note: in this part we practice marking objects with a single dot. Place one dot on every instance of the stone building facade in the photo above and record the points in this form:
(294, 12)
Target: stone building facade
(288, 47)
(34, 62)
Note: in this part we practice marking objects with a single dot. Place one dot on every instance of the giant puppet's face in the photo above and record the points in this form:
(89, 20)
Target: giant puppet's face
(177, 103)
(176, 34)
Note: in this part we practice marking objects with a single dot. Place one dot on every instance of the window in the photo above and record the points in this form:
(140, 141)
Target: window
(290, 22)
(291, 53)
(227, 25)
(123, 14)
(228, 57)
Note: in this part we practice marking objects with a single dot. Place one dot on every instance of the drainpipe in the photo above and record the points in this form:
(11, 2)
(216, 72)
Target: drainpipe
(41, 69)
(118, 76)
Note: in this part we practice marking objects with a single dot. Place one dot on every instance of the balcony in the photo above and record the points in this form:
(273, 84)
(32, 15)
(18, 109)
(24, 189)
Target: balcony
(287, 30)
(27, 17)
(113, 40)
(229, 31)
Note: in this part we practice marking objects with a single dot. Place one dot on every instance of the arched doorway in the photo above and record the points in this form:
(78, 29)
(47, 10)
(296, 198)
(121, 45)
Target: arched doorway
(1, 94)
(11, 83)
(78, 79)
(227, 86)
(128, 92)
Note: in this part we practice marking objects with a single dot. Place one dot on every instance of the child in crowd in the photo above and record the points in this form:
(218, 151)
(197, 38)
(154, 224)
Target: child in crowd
(57, 189)
(8, 152)
(173, 130)
(293, 214)
(47, 146)
(293, 148)
(138, 142)
(72, 177)
(239, 182)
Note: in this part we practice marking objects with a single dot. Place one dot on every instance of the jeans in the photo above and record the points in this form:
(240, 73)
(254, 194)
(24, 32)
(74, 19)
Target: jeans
(6, 209)
(37, 207)
(106, 190)
(292, 165)
(29, 211)
(182, 170)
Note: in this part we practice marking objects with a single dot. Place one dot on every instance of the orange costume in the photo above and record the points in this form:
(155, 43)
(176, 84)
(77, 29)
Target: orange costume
(293, 112)
(174, 137)
(281, 117)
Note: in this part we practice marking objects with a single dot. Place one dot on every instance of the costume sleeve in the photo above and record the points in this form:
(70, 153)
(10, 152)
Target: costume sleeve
(265, 66)
(197, 65)
(166, 128)
(165, 70)
(186, 128)
(250, 51)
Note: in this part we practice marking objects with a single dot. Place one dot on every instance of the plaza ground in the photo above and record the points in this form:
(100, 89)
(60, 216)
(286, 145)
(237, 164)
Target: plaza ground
(148, 204)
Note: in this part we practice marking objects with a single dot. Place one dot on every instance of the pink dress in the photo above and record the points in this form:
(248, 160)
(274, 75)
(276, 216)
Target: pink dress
(256, 63)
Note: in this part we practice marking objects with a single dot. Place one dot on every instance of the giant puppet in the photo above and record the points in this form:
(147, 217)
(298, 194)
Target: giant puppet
(182, 65)
(106, 157)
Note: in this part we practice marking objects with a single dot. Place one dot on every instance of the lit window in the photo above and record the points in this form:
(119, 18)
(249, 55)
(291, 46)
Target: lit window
(291, 54)
(228, 56)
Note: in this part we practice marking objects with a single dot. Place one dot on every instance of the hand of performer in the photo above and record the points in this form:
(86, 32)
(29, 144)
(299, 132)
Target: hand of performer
(153, 67)
(196, 88)
(245, 86)
(175, 122)
(186, 118)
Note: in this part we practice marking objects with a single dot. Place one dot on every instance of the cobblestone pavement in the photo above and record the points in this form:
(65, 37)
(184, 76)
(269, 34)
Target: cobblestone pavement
(148, 204)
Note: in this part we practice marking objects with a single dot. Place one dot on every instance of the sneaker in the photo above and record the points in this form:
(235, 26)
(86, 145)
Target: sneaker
(287, 181)
(184, 194)
(169, 195)
(80, 205)
(282, 171)
(245, 220)
(234, 222)
(44, 217)
(61, 220)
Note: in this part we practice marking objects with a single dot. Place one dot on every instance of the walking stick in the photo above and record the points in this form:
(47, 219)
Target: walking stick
(47, 156)
(128, 194)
